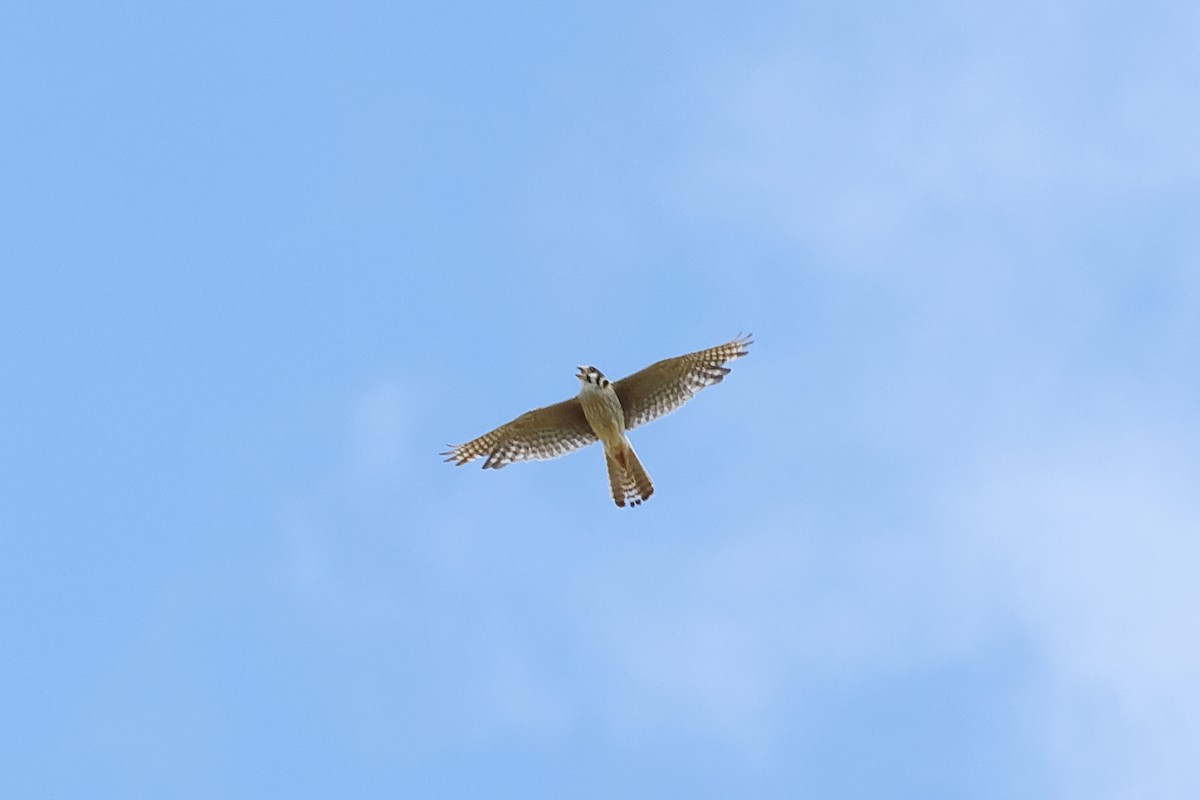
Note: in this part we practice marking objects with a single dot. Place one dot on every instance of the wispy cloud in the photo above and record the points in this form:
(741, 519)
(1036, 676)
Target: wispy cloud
(1044, 127)
(1096, 543)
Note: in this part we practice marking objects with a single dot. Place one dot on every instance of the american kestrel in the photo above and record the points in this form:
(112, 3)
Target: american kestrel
(604, 411)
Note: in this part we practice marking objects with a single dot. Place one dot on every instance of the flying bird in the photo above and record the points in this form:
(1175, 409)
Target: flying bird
(603, 411)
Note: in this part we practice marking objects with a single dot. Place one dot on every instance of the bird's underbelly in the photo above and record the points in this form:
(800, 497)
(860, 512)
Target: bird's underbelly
(604, 414)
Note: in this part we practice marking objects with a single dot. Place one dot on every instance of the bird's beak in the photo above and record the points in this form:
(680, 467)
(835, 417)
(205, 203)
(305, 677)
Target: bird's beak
(581, 374)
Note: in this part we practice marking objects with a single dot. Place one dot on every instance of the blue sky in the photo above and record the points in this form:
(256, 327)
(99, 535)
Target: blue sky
(935, 537)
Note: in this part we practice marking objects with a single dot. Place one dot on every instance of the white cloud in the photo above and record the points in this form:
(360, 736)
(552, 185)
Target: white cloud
(1029, 117)
(1099, 550)
(728, 641)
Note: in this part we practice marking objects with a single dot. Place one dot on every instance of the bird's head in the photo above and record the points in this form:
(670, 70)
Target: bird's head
(592, 376)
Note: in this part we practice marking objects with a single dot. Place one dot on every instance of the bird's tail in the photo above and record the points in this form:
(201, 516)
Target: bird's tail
(629, 480)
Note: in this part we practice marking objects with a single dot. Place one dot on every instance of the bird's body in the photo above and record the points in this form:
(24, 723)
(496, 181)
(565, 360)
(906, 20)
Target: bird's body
(603, 411)
(601, 407)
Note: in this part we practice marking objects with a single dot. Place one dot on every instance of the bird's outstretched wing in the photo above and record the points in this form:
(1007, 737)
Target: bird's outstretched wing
(537, 435)
(664, 386)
